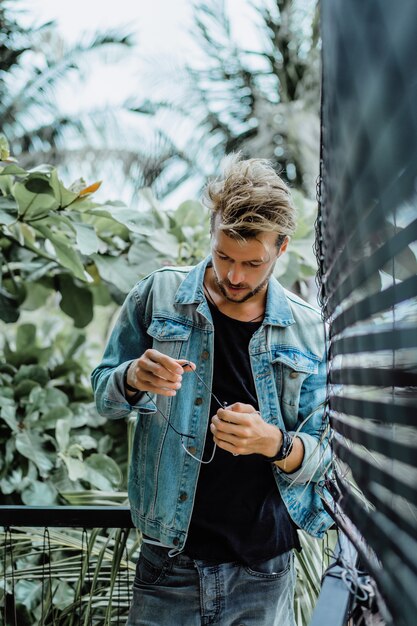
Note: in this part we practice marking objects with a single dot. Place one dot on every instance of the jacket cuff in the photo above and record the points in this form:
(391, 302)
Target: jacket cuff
(313, 464)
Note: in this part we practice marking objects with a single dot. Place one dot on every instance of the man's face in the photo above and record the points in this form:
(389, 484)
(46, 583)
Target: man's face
(242, 268)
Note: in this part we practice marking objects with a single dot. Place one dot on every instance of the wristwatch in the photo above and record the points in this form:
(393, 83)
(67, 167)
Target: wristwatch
(285, 449)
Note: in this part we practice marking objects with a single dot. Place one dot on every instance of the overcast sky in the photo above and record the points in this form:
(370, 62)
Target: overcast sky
(161, 25)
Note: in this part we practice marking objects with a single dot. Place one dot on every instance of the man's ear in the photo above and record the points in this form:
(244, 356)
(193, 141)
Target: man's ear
(284, 246)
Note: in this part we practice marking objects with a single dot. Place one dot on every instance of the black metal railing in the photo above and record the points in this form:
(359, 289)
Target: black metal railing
(80, 575)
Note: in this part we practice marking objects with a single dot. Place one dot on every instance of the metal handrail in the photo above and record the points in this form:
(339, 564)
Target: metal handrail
(70, 516)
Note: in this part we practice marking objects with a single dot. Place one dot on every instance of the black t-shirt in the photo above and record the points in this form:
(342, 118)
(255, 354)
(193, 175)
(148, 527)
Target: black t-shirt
(238, 512)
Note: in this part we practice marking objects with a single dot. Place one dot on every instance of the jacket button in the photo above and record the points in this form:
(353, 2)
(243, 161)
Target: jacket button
(198, 401)
(205, 354)
(192, 449)
(183, 497)
(293, 374)
(176, 541)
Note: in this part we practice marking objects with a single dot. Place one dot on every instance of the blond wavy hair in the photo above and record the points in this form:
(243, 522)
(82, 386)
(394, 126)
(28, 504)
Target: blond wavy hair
(250, 198)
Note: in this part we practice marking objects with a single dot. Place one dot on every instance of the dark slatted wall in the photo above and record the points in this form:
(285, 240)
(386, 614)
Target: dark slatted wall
(367, 248)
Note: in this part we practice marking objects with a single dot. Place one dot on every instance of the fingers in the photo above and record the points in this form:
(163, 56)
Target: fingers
(155, 372)
(161, 365)
(188, 366)
(241, 407)
(230, 428)
(158, 373)
(240, 433)
(230, 414)
(228, 441)
(230, 436)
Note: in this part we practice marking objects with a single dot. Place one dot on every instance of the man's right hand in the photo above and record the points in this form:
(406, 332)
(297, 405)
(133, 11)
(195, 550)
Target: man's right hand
(157, 373)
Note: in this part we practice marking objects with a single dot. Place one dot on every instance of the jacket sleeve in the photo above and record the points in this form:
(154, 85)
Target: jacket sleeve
(127, 342)
(313, 429)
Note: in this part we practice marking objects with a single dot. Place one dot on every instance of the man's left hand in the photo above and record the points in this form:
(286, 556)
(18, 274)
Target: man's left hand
(240, 429)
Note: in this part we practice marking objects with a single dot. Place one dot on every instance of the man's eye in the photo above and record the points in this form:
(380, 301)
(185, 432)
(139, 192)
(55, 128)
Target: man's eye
(255, 264)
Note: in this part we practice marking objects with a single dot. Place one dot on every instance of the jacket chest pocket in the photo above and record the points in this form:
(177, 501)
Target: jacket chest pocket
(291, 368)
(169, 337)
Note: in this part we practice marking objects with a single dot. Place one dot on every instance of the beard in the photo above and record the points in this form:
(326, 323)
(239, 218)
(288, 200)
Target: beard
(222, 284)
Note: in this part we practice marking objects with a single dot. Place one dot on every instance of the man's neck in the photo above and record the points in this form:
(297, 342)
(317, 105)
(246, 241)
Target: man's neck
(250, 310)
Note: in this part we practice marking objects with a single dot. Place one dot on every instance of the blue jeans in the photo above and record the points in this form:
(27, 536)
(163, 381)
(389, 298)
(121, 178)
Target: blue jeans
(179, 591)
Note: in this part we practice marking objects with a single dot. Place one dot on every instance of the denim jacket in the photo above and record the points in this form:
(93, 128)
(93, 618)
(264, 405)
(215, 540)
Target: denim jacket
(168, 311)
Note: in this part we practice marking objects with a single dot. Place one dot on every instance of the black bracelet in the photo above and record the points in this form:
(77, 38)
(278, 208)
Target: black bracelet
(285, 449)
(137, 392)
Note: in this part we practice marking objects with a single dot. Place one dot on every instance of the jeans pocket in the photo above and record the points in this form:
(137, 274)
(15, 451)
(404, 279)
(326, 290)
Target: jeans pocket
(152, 566)
(273, 568)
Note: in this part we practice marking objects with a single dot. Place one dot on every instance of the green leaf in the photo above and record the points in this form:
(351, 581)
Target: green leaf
(6, 184)
(66, 255)
(143, 257)
(40, 269)
(8, 413)
(55, 397)
(9, 307)
(87, 240)
(39, 494)
(8, 211)
(42, 168)
(50, 417)
(24, 388)
(12, 170)
(190, 213)
(28, 592)
(115, 270)
(63, 195)
(46, 400)
(33, 372)
(292, 272)
(304, 248)
(36, 296)
(30, 445)
(63, 595)
(69, 258)
(76, 469)
(103, 472)
(12, 482)
(59, 221)
(34, 197)
(165, 243)
(77, 341)
(77, 302)
(101, 295)
(75, 451)
(86, 442)
(25, 336)
(123, 215)
(6, 368)
(89, 417)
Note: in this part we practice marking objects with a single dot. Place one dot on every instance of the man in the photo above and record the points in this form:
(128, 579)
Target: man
(227, 373)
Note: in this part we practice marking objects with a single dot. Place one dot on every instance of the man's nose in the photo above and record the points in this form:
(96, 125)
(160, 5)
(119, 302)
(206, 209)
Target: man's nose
(236, 275)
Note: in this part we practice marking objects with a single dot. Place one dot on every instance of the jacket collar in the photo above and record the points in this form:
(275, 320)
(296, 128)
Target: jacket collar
(277, 311)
